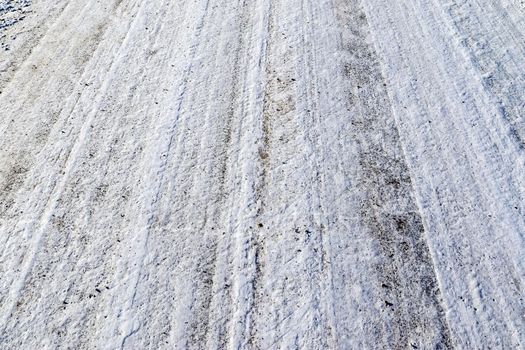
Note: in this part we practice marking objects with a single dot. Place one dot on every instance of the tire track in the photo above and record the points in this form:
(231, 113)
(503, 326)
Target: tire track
(155, 175)
(244, 174)
(388, 207)
(57, 190)
(288, 311)
(318, 16)
(501, 74)
(223, 301)
(264, 147)
(276, 103)
(464, 166)
(20, 155)
(159, 88)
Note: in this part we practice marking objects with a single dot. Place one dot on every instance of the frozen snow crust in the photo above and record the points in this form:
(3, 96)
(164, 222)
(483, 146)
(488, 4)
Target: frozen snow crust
(266, 174)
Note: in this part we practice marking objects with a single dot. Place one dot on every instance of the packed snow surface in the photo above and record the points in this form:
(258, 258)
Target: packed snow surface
(264, 174)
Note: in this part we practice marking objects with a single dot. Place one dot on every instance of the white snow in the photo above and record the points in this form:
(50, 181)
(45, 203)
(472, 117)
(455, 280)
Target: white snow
(267, 174)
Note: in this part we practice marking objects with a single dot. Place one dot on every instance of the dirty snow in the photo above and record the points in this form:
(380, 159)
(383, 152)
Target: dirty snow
(267, 174)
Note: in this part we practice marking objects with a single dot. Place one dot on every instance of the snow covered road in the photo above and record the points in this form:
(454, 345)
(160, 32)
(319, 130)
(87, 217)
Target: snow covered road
(266, 174)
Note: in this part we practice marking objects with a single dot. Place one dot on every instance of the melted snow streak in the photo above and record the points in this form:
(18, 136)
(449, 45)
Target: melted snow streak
(267, 174)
